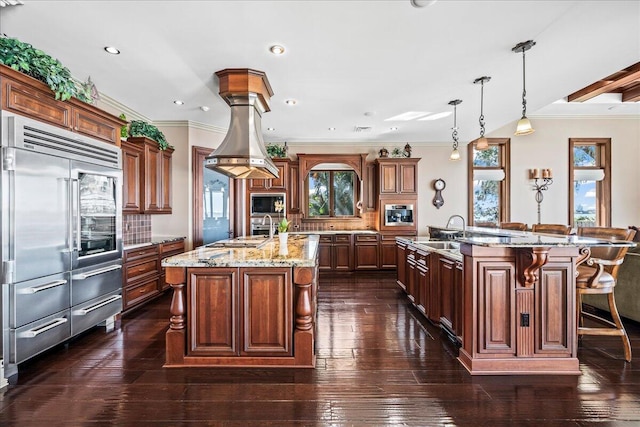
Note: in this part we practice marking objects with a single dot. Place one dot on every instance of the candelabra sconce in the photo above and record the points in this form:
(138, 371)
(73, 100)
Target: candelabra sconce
(542, 179)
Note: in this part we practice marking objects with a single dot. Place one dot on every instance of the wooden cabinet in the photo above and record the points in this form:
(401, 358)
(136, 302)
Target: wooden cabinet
(398, 176)
(261, 325)
(401, 249)
(275, 184)
(370, 190)
(293, 192)
(450, 293)
(29, 97)
(147, 173)
(143, 277)
(388, 251)
(335, 252)
(423, 282)
(410, 271)
(366, 251)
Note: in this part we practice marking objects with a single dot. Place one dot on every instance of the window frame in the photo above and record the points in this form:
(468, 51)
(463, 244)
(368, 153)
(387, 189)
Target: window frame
(331, 194)
(504, 208)
(603, 188)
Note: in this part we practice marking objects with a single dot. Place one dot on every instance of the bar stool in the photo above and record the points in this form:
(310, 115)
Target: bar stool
(598, 277)
(551, 229)
(520, 226)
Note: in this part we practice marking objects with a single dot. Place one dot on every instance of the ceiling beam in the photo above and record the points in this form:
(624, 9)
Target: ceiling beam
(609, 84)
(632, 94)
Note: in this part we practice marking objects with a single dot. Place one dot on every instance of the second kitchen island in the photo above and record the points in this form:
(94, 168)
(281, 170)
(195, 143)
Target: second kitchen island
(241, 306)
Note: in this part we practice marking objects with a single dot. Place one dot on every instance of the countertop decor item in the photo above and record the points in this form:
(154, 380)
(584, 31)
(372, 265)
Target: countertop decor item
(33, 62)
(542, 179)
(407, 151)
(383, 152)
(141, 128)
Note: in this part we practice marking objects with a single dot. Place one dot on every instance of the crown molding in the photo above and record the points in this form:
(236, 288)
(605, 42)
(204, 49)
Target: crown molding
(117, 106)
(191, 124)
(585, 117)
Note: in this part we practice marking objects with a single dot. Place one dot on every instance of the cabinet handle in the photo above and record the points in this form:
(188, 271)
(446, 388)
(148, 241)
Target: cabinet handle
(142, 291)
(32, 333)
(42, 287)
(85, 311)
(92, 273)
(141, 269)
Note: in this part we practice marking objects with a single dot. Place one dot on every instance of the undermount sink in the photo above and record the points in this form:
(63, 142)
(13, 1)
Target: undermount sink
(241, 242)
(440, 245)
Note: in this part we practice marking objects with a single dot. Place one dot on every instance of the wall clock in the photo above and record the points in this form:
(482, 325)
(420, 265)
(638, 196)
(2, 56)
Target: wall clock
(438, 185)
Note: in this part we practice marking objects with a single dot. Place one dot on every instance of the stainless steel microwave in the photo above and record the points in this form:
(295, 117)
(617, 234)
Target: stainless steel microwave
(265, 203)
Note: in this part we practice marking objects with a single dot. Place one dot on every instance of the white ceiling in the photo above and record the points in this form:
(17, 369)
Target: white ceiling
(343, 59)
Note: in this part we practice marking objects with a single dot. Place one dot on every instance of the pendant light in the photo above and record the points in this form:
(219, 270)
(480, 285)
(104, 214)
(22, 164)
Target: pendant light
(524, 125)
(482, 143)
(455, 154)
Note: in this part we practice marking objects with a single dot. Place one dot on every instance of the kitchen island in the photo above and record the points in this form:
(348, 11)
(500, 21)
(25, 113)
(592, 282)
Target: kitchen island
(514, 311)
(241, 304)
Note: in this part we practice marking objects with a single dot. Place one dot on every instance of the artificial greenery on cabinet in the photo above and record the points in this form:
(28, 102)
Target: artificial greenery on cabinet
(142, 128)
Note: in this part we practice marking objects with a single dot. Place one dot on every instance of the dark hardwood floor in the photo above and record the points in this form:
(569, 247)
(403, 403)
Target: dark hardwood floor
(378, 364)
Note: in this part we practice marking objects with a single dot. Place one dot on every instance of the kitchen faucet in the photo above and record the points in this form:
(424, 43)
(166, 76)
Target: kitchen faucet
(264, 219)
(451, 221)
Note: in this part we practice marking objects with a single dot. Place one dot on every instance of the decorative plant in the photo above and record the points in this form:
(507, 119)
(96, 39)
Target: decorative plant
(275, 150)
(87, 92)
(33, 62)
(124, 130)
(141, 128)
(283, 226)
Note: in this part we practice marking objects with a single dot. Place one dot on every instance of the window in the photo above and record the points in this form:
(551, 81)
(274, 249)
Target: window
(590, 182)
(488, 186)
(332, 193)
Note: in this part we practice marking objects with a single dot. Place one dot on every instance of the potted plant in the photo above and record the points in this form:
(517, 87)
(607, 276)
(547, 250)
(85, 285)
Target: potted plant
(33, 62)
(142, 128)
(275, 150)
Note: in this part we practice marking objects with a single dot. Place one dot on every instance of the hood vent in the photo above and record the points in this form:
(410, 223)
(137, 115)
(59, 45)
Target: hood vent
(242, 153)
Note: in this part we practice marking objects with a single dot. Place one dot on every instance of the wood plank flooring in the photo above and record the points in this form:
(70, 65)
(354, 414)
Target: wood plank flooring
(379, 363)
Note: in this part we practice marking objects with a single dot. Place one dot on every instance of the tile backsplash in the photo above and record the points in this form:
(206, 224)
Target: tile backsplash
(136, 229)
(366, 222)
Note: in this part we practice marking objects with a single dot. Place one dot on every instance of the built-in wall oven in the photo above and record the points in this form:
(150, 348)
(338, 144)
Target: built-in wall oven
(262, 204)
(398, 215)
(61, 245)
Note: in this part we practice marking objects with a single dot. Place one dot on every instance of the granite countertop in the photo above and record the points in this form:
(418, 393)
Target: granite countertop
(301, 251)
(540, 240)
(335, 232)
(155, 240)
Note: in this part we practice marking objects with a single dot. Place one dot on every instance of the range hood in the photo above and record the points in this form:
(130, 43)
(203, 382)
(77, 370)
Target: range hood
(242, 153)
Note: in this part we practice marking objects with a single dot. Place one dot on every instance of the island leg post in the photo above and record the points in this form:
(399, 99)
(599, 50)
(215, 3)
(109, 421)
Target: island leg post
(176, 337)
(303, 336)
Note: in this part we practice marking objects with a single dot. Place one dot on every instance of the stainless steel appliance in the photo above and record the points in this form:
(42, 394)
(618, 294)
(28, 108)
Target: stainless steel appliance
(265, 203)
(61, 236)
(398, 215)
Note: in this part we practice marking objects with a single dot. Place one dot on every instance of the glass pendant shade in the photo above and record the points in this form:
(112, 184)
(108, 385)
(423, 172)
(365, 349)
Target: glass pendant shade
(482, 144)
(524, 127)
(455, 155)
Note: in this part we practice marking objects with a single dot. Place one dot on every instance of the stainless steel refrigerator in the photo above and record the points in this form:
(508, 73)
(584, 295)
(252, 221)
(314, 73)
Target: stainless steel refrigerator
(61, 236)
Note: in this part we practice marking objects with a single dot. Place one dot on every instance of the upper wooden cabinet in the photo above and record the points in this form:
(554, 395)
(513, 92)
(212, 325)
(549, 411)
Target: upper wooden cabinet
(293, 193)
(146, 176)
(275, 184)
(398, 176)
(29, 97)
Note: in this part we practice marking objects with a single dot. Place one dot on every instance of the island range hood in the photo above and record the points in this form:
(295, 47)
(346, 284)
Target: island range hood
(242, 153)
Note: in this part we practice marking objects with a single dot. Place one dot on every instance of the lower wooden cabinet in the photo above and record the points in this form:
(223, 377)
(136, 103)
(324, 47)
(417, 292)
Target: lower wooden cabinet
(450, 290)
(335, 252)
(366, 252)
(248, 312)
(143, 277)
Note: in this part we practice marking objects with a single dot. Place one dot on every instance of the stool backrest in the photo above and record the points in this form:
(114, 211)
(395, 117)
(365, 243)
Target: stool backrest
(551, 229)
(611, 253)
(520, 226)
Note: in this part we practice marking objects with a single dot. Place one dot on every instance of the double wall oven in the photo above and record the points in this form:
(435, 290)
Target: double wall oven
(61, 236)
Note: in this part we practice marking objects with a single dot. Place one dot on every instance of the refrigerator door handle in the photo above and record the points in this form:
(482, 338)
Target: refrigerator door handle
(32, 333)
(82, 276)
(87, 310)
(75, 214)
(36, 289)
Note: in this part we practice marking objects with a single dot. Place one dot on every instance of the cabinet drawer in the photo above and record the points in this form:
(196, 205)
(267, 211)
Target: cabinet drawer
(38, 298)
(342, 238)
(38, 336)
(366, 238)
(92, 312)
(138, 293)
(326, 238)
(139, 270)
(92, 282)
(145, 251)
(172, 247)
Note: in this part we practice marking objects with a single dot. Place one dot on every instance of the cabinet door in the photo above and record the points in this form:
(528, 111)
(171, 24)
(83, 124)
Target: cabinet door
(132, 158)
(446, 273)
(411, 275)
(165, 180)
(279, 183)
(366, 252)
(343, 257)
(293, 193)
(212, 295)
(554, 330)
(407, 178)
(457, 300)
(267, 325)
(29, 101)
(422, 282)
(95, 126)
(370, 197)
(324, 252)
(152, 185)
(401, 256)
(388, 178)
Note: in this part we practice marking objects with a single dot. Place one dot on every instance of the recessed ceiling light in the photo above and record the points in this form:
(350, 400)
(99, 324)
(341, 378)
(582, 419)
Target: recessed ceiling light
(271, 129)
(291, 102)
(437, 116)
(409, 115)
(204, 108)
(277, 49)
(4, 3)
(332, 128)
(393, 129)
(178, 102)
(112, 50)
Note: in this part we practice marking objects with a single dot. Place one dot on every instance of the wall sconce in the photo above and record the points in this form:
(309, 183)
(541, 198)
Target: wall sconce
(482, 143)
(455, 154)
(542, 179)
(524, 125)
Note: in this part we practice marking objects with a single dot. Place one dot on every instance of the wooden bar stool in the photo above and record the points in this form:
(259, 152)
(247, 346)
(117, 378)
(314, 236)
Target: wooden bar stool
(598, 277)
(551, 229)
(520, 226)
